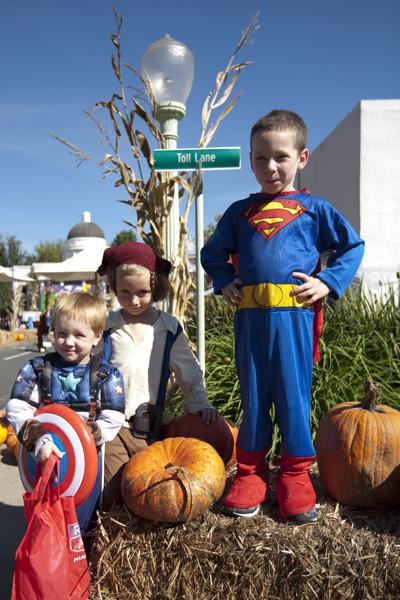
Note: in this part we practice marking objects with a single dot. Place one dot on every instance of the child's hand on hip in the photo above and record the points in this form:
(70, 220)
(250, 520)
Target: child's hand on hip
(232, 293)
(45, 450)
(311, 290)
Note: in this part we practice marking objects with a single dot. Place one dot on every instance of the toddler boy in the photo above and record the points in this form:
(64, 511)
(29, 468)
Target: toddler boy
(71, 376)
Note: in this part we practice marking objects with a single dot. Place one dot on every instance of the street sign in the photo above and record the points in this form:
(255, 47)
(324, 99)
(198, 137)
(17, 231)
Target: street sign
(189, 159)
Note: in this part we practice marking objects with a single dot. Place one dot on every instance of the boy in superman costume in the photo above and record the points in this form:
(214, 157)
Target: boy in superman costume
(279, 235)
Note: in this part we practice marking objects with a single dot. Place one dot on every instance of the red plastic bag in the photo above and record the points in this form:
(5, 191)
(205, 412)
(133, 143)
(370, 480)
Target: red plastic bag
(50, 562)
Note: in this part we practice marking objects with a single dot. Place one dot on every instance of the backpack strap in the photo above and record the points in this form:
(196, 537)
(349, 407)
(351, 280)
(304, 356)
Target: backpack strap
(165, 370)
(43, 369)
(99, 372)
(107, 344)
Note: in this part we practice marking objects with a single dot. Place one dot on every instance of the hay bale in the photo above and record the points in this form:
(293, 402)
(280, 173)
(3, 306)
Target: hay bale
(348, 554)
(8, 337)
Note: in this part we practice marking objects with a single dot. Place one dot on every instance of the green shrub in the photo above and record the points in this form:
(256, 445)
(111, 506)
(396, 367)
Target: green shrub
(360, 339)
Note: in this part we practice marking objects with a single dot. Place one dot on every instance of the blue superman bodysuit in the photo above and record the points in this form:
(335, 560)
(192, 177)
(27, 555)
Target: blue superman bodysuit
(275, 236)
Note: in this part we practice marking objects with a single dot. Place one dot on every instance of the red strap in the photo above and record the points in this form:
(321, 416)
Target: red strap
(318, 322)
(317, 330)
(92, 412)
(43, 482)
(234, 259)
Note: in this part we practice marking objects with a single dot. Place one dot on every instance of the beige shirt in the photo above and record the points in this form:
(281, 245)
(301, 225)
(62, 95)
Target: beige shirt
(140, 362)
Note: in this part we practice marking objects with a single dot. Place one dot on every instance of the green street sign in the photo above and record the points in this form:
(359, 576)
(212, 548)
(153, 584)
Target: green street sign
(189, 159)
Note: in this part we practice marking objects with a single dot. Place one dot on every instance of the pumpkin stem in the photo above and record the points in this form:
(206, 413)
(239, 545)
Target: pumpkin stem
(371, 395)
(170, 466)
(186, 489)
(178, 469)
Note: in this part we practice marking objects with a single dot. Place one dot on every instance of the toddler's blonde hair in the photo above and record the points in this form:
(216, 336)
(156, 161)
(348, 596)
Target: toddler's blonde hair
(82, 307)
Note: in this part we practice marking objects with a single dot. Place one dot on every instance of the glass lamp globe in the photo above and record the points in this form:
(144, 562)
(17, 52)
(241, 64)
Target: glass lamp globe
(169, 67)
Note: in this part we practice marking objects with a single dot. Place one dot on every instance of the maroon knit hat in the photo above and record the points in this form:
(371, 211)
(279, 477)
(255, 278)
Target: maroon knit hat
(131, 253)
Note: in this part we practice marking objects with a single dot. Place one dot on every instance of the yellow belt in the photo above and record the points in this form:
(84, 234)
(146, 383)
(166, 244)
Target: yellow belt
(269, 295)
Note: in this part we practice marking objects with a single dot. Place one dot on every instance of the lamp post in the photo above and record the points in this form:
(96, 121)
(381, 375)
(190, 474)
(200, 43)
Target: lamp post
(168, 66)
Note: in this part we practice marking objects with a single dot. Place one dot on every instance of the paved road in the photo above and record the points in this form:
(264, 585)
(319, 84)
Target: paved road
(12, 357)
(11, 518)
(11, 506)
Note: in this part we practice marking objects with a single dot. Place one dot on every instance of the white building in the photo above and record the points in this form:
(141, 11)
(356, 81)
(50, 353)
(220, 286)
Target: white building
(85, 236)
(83, 253)
(357, 168)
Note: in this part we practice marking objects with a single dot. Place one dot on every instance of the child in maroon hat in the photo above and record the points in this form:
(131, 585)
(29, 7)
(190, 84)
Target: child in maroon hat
(146, 344)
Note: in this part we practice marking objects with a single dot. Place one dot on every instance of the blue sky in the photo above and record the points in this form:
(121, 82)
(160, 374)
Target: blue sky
(317, 58)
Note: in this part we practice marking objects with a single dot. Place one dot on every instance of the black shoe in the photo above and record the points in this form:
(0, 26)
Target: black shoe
(304, 518)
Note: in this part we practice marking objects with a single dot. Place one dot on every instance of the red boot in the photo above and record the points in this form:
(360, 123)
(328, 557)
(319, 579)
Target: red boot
(249, 487)
(294, 491)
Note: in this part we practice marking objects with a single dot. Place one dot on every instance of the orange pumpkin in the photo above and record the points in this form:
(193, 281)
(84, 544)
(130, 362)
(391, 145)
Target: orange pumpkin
(221, 434)
(358, 452)
(12, 442)
(173, 480)
(3, 434)
(15, 450)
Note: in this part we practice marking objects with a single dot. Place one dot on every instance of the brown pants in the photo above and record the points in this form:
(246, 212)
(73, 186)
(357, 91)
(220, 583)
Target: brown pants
(117, 453)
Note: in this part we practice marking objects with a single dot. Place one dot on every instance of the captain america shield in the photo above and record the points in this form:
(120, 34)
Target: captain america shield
(78, 466)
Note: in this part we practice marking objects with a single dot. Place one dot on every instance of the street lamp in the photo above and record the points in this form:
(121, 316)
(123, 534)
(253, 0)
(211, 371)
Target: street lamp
(168, 66)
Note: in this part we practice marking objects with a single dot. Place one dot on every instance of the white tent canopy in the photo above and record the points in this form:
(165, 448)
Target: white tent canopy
(80, 267)
(18, 275)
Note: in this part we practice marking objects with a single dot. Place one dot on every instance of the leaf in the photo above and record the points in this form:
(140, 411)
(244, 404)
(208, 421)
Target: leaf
(145, 116)
(137, 73)
(210, 133)
(108, 157)
(129, 223)
(101, 128)
(220, 78)
(151, 182)
(183, 182)
(115, 40)
(140, 110)
(126, 174)
(240, 66)
(119, 20)
(80, 155)
(227, 91)
(112, 108)
(205, 113)
(116, 70)
(109, 172)
(145, 147)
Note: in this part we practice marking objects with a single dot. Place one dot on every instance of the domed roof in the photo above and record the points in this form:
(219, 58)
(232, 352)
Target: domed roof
(85, 228)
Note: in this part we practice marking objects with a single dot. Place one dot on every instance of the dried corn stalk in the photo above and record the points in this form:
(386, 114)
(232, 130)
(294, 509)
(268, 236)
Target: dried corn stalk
(150, 194)
(16, 304)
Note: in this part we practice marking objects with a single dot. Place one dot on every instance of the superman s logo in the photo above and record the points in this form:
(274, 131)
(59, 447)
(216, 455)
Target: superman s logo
(271, 217)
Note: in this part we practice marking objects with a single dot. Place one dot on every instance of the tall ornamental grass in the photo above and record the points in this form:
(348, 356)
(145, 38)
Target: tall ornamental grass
(361, 339)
